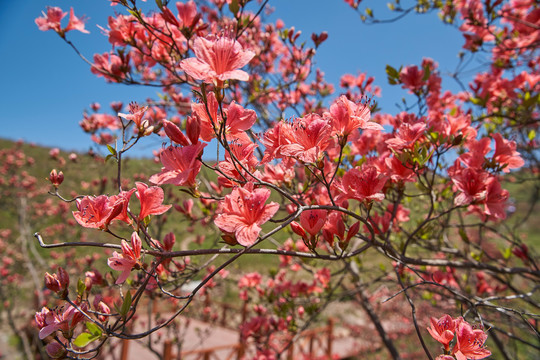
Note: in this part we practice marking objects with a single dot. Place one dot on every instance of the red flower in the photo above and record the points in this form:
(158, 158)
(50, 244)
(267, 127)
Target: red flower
(243, 211)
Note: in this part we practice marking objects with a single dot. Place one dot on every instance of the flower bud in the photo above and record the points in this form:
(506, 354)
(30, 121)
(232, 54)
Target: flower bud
(168, 241)
(41, 317)
(174, 133)
(52, 283)
(56, 178)
(63, 278)
(55, 350)
(104, 309)
(298, 229)
(193, 129)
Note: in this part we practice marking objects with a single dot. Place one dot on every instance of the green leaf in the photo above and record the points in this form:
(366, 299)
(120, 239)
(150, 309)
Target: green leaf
(475, 100)
(147, 220)
(84, 339)
(111, 150)
(234, 7)
(159, 4)
(126, 304)
(391, 72)
(464, 236)
(93, 328)
(532, 134)
(81, 287)
(507, 253)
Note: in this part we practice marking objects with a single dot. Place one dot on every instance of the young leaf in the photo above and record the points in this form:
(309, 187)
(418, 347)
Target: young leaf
(84, 339)
(111, 150)
(234, 7)
(93, 328)
(81, 287)
(126, 304)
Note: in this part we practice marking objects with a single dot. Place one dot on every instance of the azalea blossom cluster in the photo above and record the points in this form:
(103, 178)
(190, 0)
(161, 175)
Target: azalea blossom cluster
(380, 199)
(468, 342)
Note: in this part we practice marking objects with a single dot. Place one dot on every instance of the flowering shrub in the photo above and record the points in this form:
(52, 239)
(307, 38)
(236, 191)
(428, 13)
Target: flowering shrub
(349, 199)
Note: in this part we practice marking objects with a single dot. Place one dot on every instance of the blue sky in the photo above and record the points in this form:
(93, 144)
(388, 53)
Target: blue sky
(46, 87)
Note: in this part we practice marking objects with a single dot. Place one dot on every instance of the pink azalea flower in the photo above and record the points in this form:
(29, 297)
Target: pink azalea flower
(238, 119)
(97, 212)
(151, 199)
(363, 184)
(188, 13)
(111, 66)
(495, 201)
(136, 114)
(306, 138)
(232, 170)
(346, 116)
(75, 23)
(313, 220)
(128, 259)
(506, 154)
(218, 58)
(243, 211)
(180, 165)
(123, 198)
(443, 330)
(51, 21)
(397, 171)
(469, 342)
(477, 152)
(412, 78)
(280, 173)
(207, 116)
(472, 184)
(335, 227)
(407, 136)
(64, 319)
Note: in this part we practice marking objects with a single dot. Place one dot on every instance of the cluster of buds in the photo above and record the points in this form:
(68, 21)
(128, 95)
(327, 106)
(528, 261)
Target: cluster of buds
(58, 282)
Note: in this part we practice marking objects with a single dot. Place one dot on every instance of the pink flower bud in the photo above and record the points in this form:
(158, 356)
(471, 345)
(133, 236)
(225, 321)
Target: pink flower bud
(56, 178)
(103, 308)
(168, 16)
(298, 229)
(63, 278)
(193, 129)
(174, 133)
(52, 283)
(55, 350)
(168, 241)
